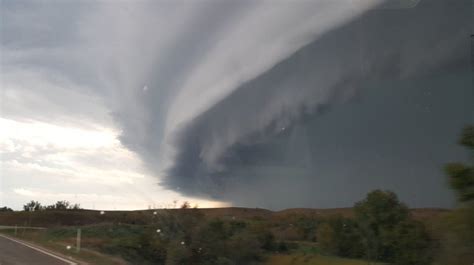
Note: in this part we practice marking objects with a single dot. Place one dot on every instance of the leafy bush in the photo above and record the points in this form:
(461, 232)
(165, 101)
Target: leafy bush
(185, 237)
(457, 237)
(5, 209)
(341, 237)
(388, 232)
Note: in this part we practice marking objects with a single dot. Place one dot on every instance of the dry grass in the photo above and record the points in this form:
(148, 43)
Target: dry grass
(85, 257)
(300, 259)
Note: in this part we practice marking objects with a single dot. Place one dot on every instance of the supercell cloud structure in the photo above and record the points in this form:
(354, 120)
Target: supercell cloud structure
(260, 142)
(260, 103)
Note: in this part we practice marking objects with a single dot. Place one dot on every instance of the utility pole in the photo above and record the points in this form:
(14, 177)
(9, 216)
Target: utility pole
(78, 240)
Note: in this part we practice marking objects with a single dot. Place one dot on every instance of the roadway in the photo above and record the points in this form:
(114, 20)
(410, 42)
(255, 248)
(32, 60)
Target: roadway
(14, 252)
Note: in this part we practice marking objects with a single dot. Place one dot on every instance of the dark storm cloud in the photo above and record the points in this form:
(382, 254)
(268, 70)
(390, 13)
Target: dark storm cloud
(181, 58)
(375, 103)
(248, 100)
(33, 24)
(42, 36)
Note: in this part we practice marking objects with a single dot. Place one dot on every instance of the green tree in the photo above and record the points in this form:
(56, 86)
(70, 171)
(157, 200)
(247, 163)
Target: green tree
(457, 239)
(413, 244)
(386, 227)
(5, 209)
(185, 205)
(467, 137)
(326, 237)
(63, 205)
(377, 216)
(461, 176)
(348, 237)
(32, 206)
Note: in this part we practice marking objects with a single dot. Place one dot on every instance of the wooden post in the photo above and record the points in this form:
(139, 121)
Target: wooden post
(78, 240)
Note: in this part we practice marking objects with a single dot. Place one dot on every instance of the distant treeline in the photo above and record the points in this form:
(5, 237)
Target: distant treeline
(6, 209)
(59, 205)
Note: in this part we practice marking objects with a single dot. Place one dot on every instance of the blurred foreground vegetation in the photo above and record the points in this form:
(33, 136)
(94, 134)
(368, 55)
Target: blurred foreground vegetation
(237, 235)
(377, 230)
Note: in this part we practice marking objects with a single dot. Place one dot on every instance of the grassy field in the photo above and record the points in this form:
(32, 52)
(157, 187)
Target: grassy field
(95, 237)
(115, 237)
(57, 241)
(313, 259)
(316, 259)
(307, 253)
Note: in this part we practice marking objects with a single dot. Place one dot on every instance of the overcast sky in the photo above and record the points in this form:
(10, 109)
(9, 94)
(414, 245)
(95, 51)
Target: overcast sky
(308, 103)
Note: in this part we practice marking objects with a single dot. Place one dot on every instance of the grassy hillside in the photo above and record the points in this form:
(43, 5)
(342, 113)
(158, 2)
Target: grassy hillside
(178, 236)
(142, 217)
(99, 246)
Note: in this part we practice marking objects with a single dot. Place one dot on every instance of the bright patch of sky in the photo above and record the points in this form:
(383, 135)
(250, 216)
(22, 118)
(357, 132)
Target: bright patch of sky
(49, 162)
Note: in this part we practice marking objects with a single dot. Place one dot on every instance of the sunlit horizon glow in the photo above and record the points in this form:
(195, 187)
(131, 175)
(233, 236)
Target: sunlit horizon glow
(45, 154)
